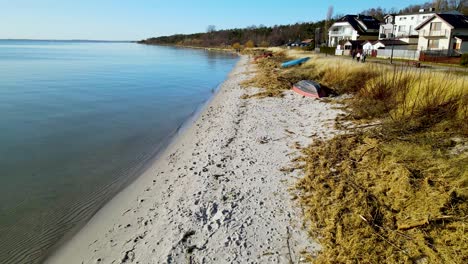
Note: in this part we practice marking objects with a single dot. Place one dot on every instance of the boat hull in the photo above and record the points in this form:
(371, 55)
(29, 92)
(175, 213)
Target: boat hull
(294, 62)
(309, 89)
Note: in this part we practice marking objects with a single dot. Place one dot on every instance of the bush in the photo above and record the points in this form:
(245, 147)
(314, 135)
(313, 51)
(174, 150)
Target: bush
(464, 60)
(309, 48)
(237, 46)
(264, 44)
(328, 50)
(249, 44)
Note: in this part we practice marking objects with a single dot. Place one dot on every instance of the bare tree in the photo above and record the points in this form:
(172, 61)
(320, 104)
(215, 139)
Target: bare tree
(211, 29)
(457, 4)
(327, 23)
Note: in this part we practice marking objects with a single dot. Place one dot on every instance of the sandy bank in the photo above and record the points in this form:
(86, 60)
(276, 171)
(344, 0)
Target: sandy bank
(217, 194)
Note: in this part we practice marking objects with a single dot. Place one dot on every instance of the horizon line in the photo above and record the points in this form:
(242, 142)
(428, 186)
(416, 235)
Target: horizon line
(83, 40)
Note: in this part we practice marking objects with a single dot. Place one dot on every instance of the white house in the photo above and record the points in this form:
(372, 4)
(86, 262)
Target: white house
(403, 27)
(461, 43)
(445, 32)
(391, 43)
(353, 27)
(367, 47)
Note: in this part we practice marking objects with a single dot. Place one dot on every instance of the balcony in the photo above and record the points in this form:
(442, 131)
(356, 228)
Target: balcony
(436, 33)
(339, 33)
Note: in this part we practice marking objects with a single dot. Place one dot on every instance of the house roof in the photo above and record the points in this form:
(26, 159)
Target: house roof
(464, 38)
(417, 13)
(391, 42)
(456, 21)
(369, 22)
(355, 42)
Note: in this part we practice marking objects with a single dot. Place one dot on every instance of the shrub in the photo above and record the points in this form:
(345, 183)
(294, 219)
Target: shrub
(309, 48)
(328, 50)
(249, 44)
(264, 44)
(464, 60)
(237, 46)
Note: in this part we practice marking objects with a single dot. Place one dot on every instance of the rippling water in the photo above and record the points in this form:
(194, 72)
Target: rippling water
(78, 121)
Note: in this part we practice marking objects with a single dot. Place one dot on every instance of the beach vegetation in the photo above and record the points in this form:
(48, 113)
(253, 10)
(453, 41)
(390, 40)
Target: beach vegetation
(264, 44)
(237, 46)
(464, 60)
(249, 44)
(394, 187)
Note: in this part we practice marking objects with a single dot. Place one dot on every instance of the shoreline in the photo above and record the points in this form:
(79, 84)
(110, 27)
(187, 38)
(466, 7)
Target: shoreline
(216, 193)
(160, 150)
(226, 50)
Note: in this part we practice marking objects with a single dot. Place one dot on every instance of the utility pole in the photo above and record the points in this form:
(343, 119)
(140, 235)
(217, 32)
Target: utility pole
(393, 43)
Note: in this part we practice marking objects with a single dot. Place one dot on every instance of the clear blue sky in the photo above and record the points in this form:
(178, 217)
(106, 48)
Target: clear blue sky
(139, 19)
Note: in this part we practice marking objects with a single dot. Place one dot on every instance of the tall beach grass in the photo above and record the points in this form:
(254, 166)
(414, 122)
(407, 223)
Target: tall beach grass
(393, 193)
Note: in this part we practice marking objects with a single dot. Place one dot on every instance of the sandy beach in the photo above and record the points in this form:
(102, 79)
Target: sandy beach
(216, 194)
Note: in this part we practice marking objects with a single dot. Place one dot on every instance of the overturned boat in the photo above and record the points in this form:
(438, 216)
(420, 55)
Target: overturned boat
(294, 62)
(309, 88)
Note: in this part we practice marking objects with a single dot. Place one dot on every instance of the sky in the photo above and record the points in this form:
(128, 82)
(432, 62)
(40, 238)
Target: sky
(141, 19)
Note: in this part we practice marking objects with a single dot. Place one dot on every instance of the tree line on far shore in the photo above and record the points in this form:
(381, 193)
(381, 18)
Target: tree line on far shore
(278, 35)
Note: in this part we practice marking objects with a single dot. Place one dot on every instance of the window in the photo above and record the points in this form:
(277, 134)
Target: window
(433, 44)
(412, 18)
(401, 28)
(436, 26)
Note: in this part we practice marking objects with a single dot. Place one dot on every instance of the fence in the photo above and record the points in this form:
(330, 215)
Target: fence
(440, 59)
(441, 53)
(398, 54)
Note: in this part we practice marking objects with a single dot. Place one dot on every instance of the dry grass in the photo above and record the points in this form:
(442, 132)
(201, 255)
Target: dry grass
(273, 79)
(375, 201)
(397, 193)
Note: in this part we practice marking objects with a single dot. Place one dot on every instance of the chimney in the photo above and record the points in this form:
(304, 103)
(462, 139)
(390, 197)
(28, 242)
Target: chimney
(421, 10)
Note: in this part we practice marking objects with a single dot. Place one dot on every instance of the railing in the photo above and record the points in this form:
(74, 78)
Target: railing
(338, 33)
(435, 33)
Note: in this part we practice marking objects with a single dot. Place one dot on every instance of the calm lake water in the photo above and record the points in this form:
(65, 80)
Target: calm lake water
(79, 121)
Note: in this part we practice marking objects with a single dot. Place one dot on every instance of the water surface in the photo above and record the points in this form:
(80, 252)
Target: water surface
(78, 121)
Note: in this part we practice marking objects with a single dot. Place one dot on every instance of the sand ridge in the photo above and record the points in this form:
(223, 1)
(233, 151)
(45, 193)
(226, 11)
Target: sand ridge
(217, 194)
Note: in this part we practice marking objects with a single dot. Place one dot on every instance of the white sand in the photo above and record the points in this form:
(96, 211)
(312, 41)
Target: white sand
(217, 194)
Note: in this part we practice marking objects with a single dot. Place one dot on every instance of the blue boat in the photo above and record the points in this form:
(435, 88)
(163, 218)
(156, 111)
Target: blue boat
(294, 62)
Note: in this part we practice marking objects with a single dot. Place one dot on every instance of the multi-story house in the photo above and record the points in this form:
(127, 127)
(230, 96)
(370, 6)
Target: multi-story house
(446, 33)
(403, 27)
(353, 27)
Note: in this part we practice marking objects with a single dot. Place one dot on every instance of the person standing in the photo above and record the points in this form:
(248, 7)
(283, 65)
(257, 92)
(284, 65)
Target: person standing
(353, 53)
(358, 56)
(363, 57)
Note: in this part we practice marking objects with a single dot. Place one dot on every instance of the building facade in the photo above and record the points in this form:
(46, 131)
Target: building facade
(445, 32)
(353, 27)
(403, 27)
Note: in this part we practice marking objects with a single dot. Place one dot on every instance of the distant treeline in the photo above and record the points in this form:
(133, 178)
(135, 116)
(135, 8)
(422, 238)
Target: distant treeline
(263, 36)
(260, 36)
